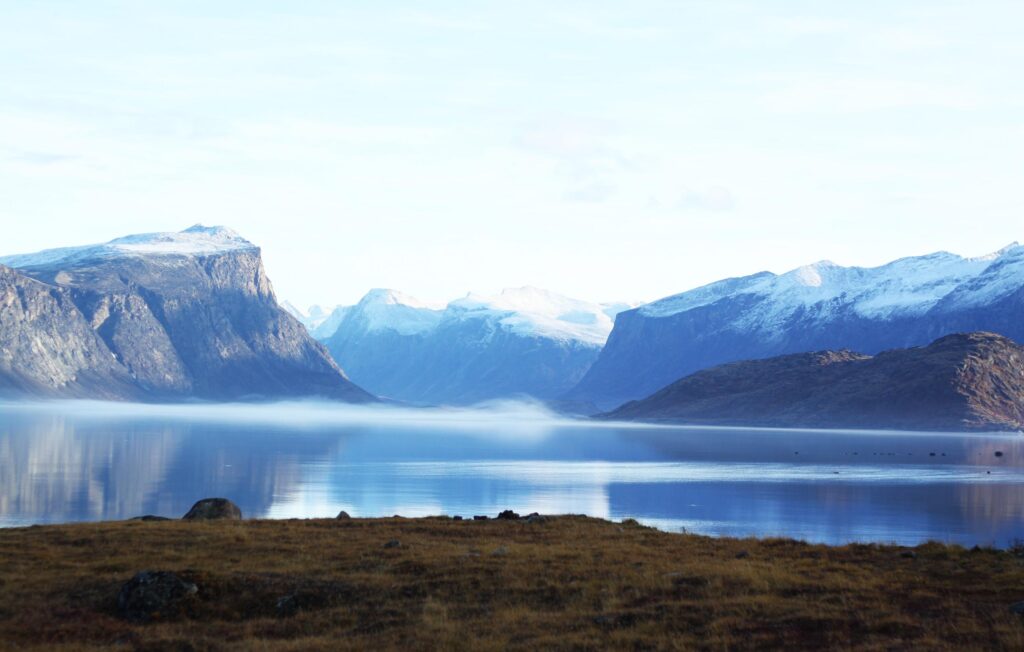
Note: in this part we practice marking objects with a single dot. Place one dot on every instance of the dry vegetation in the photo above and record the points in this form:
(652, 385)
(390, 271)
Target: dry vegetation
(567, 582)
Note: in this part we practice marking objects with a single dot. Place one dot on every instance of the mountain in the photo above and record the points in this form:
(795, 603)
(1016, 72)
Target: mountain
(972, 381)
(908, 302)
(159, 316)
(320, 323)
(524, 341)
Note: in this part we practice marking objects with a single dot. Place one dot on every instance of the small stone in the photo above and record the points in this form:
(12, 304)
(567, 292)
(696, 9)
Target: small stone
(213, 509)
(154, 595)
(394, 543)
(343, 516)
(999, 453)
(287, 606)
(908, 554)
(508, 515)
(500, 551)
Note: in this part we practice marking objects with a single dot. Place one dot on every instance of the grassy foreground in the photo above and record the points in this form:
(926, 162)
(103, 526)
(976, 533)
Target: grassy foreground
(566, 582)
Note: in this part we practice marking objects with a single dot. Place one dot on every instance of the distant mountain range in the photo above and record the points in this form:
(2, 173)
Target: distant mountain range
(908, 302)
(160, 316)
(192, 315)
(523, 342)
(972, 381)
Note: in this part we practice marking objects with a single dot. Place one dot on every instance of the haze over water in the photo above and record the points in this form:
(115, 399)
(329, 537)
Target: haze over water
(80, 461)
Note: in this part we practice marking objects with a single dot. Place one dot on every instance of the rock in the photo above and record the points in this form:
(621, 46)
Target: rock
(536, 518)
(479, 518)
(1017, 608)
(456, 518)
(209, 509)
(508, 515)
(908, 554)
(999, 453)
(105, 323)
(500, 551)
(632, 522)
(155, 595)
(394, 543)
(150, 517)
(742, 554)
(343, 516)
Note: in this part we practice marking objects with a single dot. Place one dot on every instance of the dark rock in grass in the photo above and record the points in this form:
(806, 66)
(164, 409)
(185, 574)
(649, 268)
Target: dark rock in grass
(999, 453)
(480, 518)
(1017, 608)
(343, 516)
(213, 508)
(908, 554)
(742, 554)
(508, 515)
(155, 595)
(536, 518)
(150, 517)
(456, 518)
(500, 551)
(394, 543)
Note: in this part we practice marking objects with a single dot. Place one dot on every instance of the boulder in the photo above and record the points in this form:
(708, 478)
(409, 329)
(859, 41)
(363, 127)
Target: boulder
(508, 515)
(209, 509)
(155, 595)
(343, 516)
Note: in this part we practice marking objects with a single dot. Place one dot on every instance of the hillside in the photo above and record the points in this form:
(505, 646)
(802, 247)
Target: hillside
(972, 381)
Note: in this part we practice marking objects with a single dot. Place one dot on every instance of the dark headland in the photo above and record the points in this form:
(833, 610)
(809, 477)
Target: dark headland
(964, 381)
(567, 582)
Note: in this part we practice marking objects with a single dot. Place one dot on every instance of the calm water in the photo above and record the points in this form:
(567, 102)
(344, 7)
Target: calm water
(87, 461)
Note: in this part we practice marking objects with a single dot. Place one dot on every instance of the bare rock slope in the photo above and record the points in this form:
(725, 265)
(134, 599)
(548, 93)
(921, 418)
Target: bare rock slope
(163, 316)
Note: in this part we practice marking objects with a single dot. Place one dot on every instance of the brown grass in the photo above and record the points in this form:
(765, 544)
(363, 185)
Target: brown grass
(569, 583)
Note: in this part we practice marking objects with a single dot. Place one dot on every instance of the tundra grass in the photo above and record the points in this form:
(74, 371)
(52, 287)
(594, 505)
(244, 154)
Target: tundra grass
(564, 583)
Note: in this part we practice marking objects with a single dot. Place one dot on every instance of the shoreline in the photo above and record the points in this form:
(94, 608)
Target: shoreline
(550, 581)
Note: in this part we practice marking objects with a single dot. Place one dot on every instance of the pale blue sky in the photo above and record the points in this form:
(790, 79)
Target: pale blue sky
(605, 150)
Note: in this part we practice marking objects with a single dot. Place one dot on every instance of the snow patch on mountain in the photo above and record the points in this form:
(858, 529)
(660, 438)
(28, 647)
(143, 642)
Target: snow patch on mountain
(533, 312)
(904, 287)
(383, 309)
(197, 240)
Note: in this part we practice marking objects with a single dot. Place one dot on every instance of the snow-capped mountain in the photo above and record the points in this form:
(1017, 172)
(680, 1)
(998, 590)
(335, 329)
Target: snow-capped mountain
(523, 341)
(908, 302)
(197, 240)
(320, 323)
(158, 316)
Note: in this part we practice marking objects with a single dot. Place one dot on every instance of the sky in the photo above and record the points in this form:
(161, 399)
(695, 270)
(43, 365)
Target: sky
(605, 150)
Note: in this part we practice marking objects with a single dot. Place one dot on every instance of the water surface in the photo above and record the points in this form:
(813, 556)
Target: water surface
(82, 461)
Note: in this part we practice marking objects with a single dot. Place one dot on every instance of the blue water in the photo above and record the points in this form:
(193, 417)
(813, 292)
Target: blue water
(78, 461)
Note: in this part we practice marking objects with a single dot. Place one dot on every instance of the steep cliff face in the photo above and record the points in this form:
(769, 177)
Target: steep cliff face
(972, 381)
(908, 302)
(48, 348)
(189, 315)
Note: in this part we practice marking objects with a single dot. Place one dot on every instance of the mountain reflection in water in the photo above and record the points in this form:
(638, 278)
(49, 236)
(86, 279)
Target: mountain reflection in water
(79, 461)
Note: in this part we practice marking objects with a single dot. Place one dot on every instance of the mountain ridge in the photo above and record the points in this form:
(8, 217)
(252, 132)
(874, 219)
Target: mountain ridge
(186, 315)
(907, 302)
